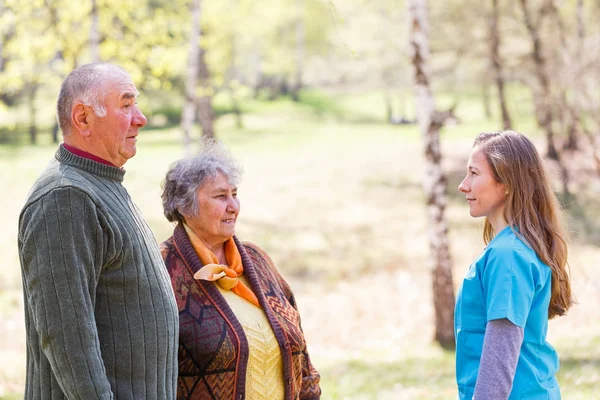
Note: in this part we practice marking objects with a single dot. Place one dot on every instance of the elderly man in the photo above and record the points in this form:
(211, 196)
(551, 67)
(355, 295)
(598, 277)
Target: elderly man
(100, 314)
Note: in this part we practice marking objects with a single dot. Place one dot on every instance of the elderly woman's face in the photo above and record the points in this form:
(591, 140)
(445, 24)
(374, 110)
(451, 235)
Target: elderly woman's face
(218, 207)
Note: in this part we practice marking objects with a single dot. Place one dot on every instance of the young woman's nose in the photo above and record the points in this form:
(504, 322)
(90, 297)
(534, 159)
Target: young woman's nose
(463, 186)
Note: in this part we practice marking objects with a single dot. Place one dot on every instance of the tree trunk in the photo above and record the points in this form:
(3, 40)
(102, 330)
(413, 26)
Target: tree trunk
(32, 113)
(575, 111)
(497, 65)
(485, 98)
(430, 123)
(300, 49)
(7, 33)
(389, 112)
(94, 34)
(206, 114)
(256, 75)
(191, 99)
(55, 129)
(541, 96)
(234, 78)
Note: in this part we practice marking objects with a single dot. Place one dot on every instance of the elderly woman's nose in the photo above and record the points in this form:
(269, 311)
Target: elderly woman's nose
(233, 203)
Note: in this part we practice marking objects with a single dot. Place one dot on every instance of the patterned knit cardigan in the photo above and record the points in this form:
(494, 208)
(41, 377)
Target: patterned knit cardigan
(213, 349)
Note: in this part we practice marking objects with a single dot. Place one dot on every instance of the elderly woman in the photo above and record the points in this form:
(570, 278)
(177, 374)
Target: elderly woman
(240, 334)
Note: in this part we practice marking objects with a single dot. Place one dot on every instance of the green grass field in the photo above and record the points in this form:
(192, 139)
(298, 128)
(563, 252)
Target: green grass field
(334, 195)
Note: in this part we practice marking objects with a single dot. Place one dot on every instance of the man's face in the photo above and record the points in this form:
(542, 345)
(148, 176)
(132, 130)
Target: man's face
(114, 136)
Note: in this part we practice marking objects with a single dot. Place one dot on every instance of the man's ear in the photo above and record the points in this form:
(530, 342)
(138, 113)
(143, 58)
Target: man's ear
(80, 119)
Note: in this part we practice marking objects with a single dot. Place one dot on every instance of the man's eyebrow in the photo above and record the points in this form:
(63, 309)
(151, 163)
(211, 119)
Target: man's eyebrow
(130, 95)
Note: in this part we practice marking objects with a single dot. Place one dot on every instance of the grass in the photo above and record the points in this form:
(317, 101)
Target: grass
(334, 195)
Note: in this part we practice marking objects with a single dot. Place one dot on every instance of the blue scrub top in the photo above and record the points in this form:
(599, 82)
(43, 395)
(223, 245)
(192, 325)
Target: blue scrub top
(507, 280)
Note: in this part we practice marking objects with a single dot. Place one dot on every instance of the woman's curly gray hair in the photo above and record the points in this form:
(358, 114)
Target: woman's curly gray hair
(186, 176)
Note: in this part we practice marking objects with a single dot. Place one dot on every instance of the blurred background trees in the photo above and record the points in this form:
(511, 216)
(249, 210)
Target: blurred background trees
(243, 49)
(197, 60)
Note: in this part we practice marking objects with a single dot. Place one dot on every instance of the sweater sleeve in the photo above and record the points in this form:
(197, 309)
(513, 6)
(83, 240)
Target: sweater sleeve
(501, 348)
(61, 247)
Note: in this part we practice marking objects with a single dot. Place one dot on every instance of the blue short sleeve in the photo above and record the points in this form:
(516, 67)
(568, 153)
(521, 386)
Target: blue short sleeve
(509, 281)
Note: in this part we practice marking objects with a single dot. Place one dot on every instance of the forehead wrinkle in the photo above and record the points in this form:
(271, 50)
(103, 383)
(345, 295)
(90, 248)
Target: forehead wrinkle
(224, 188)
(130, 95)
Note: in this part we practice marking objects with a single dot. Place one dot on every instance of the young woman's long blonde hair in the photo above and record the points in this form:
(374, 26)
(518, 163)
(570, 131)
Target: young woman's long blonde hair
(531, 207)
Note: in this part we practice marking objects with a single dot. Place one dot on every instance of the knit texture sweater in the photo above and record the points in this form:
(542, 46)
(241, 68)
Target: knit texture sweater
(213, 347)
(100, 315)
(264, 373)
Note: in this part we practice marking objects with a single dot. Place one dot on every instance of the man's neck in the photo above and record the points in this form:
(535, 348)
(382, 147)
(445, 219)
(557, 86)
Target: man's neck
(82, 153)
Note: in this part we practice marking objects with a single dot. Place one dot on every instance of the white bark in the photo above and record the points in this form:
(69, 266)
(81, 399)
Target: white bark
(191, 98)
(430, 121)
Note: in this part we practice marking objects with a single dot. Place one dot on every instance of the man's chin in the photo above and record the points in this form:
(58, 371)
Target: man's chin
(128, 153)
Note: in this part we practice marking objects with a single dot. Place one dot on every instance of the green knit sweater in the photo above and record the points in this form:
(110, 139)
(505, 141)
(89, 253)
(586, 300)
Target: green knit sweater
(100, 314)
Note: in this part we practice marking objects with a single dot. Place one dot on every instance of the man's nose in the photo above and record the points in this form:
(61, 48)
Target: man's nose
(139, 119)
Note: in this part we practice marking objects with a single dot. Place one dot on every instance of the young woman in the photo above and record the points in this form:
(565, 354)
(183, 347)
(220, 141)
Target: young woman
(518, 282)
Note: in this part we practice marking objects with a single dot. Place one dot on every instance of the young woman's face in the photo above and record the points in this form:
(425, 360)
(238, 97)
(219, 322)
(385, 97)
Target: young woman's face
(486, 196)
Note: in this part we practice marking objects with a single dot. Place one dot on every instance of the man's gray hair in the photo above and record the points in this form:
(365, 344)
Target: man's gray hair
(87, 85)
(186, 176)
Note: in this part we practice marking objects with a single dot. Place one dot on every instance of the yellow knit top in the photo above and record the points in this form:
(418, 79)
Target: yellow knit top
(264, 375)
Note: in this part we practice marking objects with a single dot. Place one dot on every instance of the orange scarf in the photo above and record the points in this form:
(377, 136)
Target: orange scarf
(225, 276)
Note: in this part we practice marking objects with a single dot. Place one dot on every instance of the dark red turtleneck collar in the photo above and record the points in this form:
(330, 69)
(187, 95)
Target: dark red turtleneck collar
(85, 154)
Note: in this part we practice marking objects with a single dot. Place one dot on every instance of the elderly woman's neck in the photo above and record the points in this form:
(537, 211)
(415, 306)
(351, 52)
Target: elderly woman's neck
(218, 249)
(219, 252)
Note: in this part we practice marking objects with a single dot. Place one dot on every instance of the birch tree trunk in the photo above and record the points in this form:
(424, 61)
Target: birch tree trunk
(191, 99)
(430, 122)
(206, 114)
(6, 35)
(497, 65)
(234, 75)
(300, 49)
(543, 109)
(31, 93)
(94, 34)
(542, 96)
(575, 110)
(58, 56)
(485, 98)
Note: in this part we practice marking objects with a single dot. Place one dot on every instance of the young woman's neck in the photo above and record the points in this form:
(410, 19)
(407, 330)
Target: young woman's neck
(498, 223)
